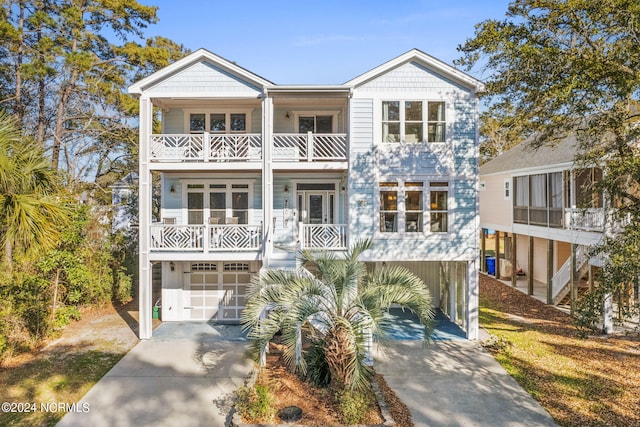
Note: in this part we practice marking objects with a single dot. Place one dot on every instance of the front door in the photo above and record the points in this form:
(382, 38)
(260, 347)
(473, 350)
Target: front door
(316, 207)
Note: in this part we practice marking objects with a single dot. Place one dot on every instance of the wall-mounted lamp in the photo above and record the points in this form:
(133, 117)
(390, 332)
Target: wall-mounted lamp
(172, 190)
(172, 266)
(286, 189)
(287, 116)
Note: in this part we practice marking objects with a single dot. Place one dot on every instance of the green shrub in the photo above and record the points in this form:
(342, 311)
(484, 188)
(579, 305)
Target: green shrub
(255, 403)
(122, 287)
(354, 405)
(318, 373)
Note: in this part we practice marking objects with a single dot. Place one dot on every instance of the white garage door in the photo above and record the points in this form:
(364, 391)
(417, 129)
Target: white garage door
(216, 291)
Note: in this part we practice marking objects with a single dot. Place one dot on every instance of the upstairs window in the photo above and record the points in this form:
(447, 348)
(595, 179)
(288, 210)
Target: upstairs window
(406, 121)
(219, 122)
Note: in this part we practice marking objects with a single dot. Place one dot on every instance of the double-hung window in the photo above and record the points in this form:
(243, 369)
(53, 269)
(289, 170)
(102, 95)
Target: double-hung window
(406, 121)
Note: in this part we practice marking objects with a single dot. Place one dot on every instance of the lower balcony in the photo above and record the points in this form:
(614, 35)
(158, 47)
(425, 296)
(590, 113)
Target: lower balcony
(323, 236)
(205, 238)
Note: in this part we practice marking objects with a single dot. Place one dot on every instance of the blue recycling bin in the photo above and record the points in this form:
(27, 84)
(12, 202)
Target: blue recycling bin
(491, 265)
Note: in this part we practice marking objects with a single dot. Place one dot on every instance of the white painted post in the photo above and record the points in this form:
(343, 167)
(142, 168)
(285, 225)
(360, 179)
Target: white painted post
(206, 146)
(144, 222)
(309, 146)
(472, 322)
(607, 324)
(267, 177)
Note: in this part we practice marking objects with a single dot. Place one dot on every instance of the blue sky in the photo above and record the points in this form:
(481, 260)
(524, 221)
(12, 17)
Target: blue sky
(324, 42)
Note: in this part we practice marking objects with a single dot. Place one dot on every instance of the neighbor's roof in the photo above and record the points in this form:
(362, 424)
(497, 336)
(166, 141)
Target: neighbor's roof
(523, 156)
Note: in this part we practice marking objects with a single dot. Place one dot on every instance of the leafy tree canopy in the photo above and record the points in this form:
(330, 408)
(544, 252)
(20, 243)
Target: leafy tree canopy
(571, 66)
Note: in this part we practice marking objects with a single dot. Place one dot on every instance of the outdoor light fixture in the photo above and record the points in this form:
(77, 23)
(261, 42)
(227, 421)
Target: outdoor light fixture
(286, 116)
(172, 266)
(172, 189)
(286, 188)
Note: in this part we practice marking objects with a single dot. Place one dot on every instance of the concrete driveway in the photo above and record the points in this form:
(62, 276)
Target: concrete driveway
(184, 376)
(187, 373)
(453, 382)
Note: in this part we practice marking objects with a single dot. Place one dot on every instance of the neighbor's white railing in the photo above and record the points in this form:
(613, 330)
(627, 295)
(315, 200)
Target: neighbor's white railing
(563, 275)
(206, 147)
(323, 236)
(311, 147)
(591, 219)
(205, 238)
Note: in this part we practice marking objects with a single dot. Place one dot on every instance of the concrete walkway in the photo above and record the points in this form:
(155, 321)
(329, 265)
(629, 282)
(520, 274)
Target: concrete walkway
(184, 376)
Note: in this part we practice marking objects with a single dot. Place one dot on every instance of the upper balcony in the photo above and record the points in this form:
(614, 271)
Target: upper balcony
(248, 148)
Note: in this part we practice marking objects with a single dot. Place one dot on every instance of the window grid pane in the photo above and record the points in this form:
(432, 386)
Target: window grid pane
(196, 123)
(439, 211)
(436, 119)
(388, 211)
(391, 121)
(413, 216)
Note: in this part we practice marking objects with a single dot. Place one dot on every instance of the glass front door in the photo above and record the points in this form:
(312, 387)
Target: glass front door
(316, 207)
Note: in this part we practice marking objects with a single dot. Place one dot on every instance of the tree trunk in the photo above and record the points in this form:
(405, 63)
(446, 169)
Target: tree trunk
(339, 351)
(18, 109)
(8, 255)
(54, 305)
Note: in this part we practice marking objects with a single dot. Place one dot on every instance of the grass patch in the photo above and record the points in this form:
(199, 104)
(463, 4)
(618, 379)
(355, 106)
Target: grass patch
(60, 377)
(581, 382)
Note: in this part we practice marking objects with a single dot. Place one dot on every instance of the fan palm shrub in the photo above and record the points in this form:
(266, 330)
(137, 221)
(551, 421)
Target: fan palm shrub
(339, 309)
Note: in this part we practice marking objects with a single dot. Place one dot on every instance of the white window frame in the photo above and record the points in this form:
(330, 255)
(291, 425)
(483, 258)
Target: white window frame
(332, 113)
(207, 119)
(402, 188)
(425, 121)
(507, 190)
(448, 211)
(228, 190)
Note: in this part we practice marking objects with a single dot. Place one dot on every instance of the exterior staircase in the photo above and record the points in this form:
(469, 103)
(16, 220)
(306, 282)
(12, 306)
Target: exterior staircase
(561, 280)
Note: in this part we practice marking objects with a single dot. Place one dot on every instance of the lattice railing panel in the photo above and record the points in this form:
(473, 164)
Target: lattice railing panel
(235, 147)
(235, 237)
(167, 147)
(177, 237)
(324, 236)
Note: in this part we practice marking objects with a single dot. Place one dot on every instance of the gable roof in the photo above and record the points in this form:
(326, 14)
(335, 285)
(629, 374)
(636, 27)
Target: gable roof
(523, 156)
(428, 61)
(198, 56)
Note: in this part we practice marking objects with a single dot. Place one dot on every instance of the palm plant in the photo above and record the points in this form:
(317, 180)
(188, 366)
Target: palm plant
(339, 308)
(31, 212)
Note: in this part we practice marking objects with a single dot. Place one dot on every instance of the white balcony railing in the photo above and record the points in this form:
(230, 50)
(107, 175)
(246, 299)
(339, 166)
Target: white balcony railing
(310, 147)
(206, 147)
(562, 277)
(591, 219)
(205, 238)
(323, 236)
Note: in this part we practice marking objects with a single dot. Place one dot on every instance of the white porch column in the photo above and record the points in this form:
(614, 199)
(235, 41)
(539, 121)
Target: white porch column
(144, 222)
(472, 300)
(267, 178)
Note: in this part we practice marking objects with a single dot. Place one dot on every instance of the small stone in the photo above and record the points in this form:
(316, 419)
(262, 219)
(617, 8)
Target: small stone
(290, 414)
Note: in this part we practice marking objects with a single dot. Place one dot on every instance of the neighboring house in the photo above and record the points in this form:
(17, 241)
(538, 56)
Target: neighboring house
(252, 171)
(121, 193)
(539, 215)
